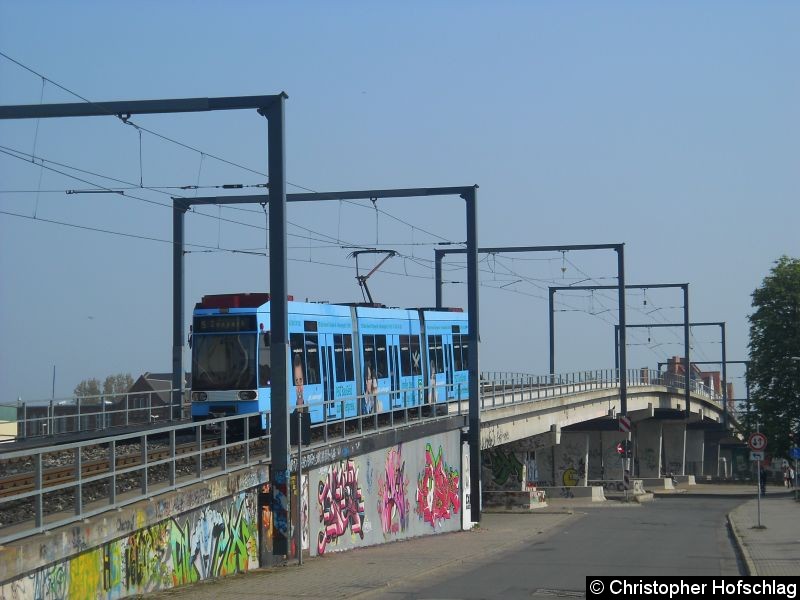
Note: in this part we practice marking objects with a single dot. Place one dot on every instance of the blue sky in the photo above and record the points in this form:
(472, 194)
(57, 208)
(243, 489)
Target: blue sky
(670, 127)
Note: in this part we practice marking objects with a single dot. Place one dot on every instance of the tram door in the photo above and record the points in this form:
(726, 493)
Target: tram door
(333, 410)
(440, 357)
(394, 370)
(447, 347)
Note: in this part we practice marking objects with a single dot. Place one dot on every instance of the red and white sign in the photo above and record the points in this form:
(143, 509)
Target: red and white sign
(757, 441)
(624, 424)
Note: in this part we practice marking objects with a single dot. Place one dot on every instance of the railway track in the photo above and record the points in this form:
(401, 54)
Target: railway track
(54, 476)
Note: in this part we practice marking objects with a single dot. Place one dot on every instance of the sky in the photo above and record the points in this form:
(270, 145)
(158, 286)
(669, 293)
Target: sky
(670, 127)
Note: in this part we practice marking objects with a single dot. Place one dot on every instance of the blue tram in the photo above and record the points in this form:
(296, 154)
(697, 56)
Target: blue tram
(345, 360)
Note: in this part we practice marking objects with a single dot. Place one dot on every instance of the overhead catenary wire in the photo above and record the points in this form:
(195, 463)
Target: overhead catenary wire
(128, 121)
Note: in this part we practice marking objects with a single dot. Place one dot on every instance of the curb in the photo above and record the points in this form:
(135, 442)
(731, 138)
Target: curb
(740, 546)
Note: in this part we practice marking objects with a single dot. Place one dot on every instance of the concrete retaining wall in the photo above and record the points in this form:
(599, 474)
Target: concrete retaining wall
(514, 500)
(214, 528)
(407, 490)
(216, 540)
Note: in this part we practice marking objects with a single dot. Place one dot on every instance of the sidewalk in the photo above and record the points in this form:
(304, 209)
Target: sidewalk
(774, 550)
(362, 571)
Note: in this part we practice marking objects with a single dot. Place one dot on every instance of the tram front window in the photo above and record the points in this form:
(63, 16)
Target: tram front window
(224, 362)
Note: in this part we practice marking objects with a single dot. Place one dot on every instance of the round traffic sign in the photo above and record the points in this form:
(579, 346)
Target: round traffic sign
(757, 441)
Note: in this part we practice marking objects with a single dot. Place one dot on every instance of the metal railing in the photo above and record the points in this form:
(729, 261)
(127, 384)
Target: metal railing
(98, 475)
(95, 413)
(141, 465)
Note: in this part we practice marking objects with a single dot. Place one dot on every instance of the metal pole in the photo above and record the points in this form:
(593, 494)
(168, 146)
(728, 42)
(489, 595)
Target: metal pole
(438, 255)
(616, 348)
(178, 290)
(299, 486)
(623, 349)
(688, 364)
(279, 320)
(552, 332)
(759, 484)
(724, 379)
(473, 337)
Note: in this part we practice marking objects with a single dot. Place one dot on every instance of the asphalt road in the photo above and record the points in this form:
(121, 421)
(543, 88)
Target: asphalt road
(670, 536)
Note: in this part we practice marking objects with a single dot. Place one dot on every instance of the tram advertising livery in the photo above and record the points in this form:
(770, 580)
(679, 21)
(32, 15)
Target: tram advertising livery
(346, 361)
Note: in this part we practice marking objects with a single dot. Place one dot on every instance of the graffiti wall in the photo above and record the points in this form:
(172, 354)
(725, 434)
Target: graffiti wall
(674, 436)
(564, 465)
(219, 539)
(649, 461)
(407, 490)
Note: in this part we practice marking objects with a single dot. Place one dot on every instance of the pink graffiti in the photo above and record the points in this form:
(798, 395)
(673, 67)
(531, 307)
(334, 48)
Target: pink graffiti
(341, 504)
(392, 500)
(437, 489)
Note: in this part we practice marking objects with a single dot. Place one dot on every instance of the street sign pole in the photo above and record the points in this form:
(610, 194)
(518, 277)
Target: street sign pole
(758, 443)
(758, 502)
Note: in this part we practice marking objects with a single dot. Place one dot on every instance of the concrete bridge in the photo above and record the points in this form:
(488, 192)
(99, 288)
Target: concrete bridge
(402, 479)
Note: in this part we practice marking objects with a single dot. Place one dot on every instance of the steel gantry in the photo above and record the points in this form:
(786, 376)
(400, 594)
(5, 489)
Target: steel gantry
(621, 352)
(271, 107)
(278, 274)
(620, 250)
(724, 360)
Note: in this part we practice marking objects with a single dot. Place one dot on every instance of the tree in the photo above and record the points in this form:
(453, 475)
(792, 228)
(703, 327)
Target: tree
(87, 387)
(117, 384)
(773, 374)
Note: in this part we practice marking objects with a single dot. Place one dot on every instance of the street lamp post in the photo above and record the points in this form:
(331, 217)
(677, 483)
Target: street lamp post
(794, 446)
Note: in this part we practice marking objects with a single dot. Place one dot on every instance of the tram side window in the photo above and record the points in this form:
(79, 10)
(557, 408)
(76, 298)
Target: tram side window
(380, 356)
(312, 358)
(460, 362)
(436, 354)
(409, 355)
(305, 351)
(343, 354)
(375, 358)
(297, 342)
(370, 366)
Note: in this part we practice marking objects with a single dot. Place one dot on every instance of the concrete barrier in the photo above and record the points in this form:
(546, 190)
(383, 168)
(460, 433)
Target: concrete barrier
(687, 479)
(593, 493)
(658, 483)
(514, 500)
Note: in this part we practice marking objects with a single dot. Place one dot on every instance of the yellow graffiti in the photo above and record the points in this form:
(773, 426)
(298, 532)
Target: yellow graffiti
(570, 477)
(85, 574)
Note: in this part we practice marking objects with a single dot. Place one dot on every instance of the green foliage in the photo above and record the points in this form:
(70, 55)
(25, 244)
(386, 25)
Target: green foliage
(117, 384)
(88, 387)
(113, 384)
(773, 376)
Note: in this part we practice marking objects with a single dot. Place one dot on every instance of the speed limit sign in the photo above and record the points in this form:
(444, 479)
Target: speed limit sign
(757, 441)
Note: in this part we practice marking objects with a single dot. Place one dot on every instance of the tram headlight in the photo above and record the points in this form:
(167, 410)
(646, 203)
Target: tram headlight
(199, 396)
(248, 395)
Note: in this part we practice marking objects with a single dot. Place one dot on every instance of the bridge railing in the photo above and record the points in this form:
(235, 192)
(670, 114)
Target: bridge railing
(76, 414)
(45, 488)
(500, 388)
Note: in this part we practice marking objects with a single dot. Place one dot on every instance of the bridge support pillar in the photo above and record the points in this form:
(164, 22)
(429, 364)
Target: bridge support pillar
(673, 460)
(695, 449)
(565, 464)
(648, 449)
(713, 463)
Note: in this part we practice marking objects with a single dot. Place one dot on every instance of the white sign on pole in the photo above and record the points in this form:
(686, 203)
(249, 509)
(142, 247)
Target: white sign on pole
(757, 455)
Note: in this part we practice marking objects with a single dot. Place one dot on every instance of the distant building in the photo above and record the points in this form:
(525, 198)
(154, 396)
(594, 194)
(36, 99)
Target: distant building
(147, 401)
(711, 379)
(8, 423)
